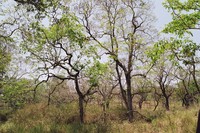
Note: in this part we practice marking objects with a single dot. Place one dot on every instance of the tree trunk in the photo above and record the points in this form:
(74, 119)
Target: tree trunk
(81, 110)
(129, 98)
(81, 100)
(49, 100)
(167, 102)
(34, 94)
(123, 92)
(157, 103)
(185, 87)
(140, 103)
(164, 93)
(107, 104)
(104, 110)
(142, 99)
(194, 78)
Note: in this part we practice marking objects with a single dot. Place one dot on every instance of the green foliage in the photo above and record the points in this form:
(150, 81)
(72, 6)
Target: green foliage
(178, 49)
(5, 59)
(156, 51)
(96, 71)
(160, 49)
(66, 28)
(62, 43)
(16, 92)
(192, 88)
(185, 15)
(40, 5)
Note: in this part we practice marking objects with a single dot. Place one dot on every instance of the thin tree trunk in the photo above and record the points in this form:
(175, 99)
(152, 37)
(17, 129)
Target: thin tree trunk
(194, 77)
(185, 87)
(104, 109)
(157, 103)
(129, 98)
(34, 95)
(81, 100)
(123, 92)
(81, 109)
(140, 103)
(167, 102)
(163, 88)
(49, 100)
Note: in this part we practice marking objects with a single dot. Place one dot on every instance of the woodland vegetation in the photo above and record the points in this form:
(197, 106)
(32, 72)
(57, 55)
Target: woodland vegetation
(98, 66)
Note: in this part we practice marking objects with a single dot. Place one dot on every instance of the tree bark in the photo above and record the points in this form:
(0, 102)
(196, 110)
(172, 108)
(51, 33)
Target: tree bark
(123, 92)
(194, 78)
(129, 97)
(167, 103)
(140, 103)
(165, 95)
(81, 109)
(157, 103)
(81, 100)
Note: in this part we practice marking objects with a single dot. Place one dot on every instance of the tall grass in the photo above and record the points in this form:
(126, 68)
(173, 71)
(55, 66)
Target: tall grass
(38, 118)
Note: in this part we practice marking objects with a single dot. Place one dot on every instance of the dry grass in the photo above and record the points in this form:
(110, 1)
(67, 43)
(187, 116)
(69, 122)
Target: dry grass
(176, 121)
(38, 118)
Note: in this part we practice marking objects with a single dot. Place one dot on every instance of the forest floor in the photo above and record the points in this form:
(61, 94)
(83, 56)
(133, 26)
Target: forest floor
(39, 118)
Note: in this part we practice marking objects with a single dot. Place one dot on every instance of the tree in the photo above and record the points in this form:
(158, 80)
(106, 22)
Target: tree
(142, 87)
(185, 15)
(39, 5)
(59, 47)
(183, 54)
(164, 70)
(57, 91)
(186, 86)
(13, 88)
(164, 80)
(103, 77)
(62, 50)
(122, 29)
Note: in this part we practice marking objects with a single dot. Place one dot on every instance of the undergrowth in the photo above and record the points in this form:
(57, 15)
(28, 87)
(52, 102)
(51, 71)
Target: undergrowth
(39, 118)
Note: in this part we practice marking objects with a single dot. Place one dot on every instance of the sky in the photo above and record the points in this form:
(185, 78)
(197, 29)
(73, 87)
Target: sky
(163, 17)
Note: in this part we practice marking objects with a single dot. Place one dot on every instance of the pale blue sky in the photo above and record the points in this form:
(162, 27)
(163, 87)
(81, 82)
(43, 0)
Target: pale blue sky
(163, 17)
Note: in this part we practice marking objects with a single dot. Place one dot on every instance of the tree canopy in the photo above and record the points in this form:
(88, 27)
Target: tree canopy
(186, 16)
